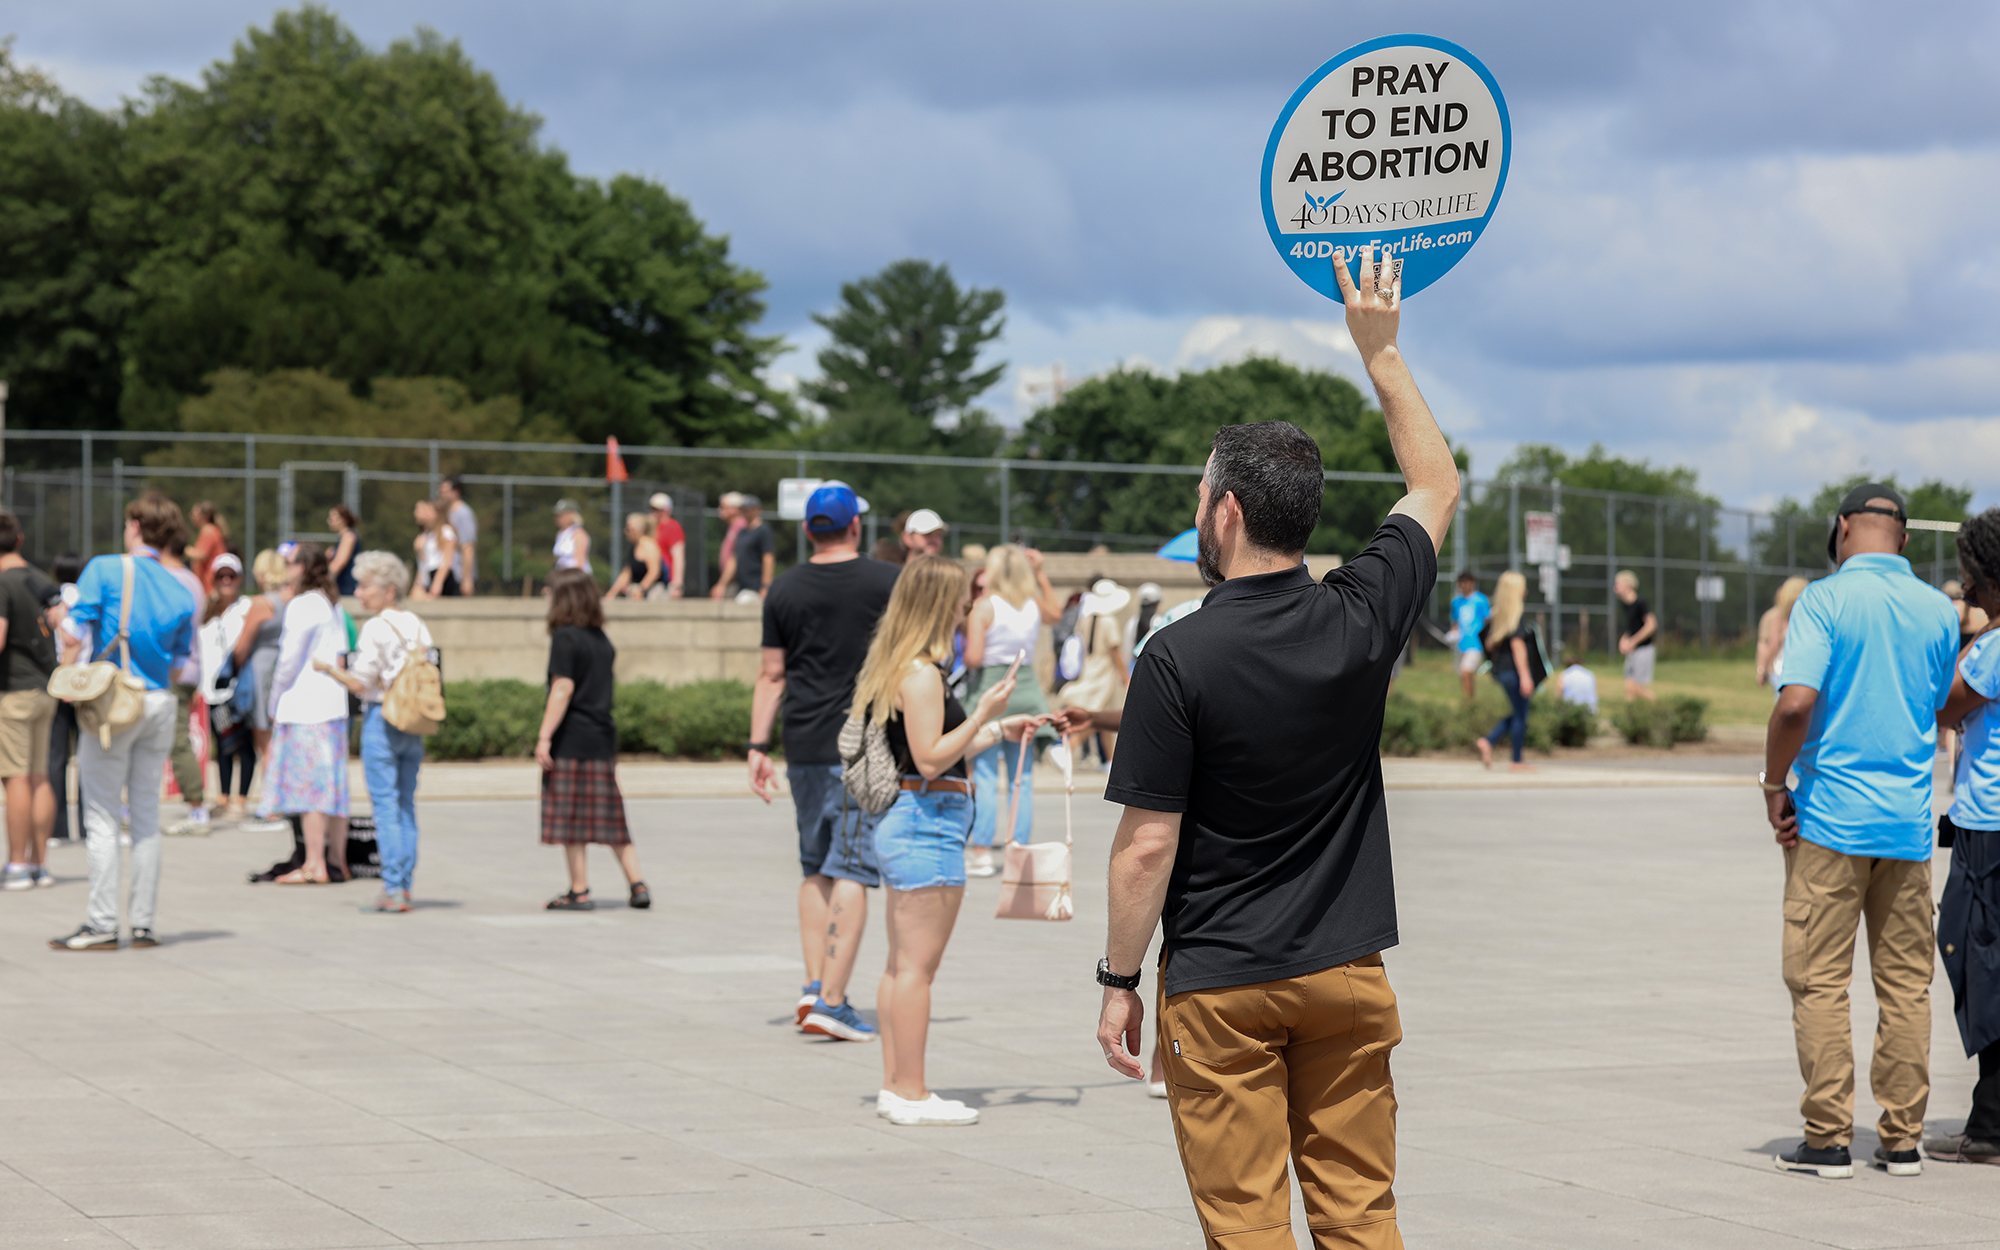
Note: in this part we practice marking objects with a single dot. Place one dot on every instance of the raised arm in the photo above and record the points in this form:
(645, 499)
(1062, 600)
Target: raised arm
(1421, 453)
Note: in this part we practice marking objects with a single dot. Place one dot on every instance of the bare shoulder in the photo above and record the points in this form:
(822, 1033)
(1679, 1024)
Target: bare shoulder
(921, 679)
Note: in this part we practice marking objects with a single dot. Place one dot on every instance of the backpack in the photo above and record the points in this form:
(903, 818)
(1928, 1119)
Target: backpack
(867, 767)
(1069, 647)
(414, 702)
(1538, 659)
(109, 699)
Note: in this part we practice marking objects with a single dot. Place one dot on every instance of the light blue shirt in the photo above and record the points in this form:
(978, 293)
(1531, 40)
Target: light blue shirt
(162, 617)
(1580, 686)
(1878, 645)
(1469, 613)
(1976, 798)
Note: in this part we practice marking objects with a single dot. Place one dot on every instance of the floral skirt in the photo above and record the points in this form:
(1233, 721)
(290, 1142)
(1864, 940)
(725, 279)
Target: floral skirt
(581, 803)
(306, 770)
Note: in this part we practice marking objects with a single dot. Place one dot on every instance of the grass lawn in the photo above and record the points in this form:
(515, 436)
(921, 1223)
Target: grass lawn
(1730, 686)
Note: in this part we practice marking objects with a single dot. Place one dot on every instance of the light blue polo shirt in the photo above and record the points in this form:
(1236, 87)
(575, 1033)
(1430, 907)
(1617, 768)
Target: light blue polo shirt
(1878, 645)
(1975, 802)
(162, 616)
(1469, 613)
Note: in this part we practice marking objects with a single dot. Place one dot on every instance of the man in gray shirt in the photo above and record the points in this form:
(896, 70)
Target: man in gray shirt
(458, 514)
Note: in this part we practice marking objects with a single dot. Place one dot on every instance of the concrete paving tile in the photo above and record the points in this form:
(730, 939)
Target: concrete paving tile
(322, 1229)
(449, 1215)
(417, 1155)
(51, 1167)
(941, 1193)
(182, 1196)
(22, 1197)
(1695, 1185)
(477, 1185)
(1888, 1226)
(753, 1201)
(1129, 1227)
(901, 1236)
(75, 1232)
(600, 1167)
(1420, 1171)
(565, 1122)
(616, 1241)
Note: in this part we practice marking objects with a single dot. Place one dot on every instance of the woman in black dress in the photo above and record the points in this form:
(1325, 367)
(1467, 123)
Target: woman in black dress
(578, 746)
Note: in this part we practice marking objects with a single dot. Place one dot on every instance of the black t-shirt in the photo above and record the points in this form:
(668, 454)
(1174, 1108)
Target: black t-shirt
(586, 657)
(1635, 620)
(31, 650)
(823, 615)
(1260, 718)
(753, 543)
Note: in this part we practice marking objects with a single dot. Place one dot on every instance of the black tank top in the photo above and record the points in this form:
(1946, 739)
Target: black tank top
(899, 742)
(636, 567)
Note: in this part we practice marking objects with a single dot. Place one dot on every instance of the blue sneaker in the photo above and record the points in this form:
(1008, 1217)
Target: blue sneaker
(843, 1022)
(808, 995)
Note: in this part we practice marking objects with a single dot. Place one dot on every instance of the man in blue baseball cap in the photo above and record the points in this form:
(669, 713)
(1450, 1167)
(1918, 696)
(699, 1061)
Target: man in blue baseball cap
(818, 619)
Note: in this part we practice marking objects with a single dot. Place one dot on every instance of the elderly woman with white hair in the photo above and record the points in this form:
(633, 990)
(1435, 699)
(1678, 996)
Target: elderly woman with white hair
(389, 756)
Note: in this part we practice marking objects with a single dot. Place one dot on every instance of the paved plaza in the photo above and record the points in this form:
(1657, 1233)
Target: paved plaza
(1597, 1052)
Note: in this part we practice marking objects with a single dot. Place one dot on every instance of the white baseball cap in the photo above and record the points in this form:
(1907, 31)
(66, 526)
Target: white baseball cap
(661, 502)
(923, 521)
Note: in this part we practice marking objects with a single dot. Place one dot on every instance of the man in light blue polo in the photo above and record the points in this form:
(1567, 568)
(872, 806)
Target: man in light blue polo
(1469, 613)
(1868, 663)
(128, 772)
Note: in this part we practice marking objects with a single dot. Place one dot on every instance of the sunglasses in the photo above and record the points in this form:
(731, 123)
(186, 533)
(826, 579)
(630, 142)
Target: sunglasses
(231, 574)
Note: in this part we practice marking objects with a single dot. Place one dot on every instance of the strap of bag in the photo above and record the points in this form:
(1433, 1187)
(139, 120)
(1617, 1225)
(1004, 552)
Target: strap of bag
(125, 616)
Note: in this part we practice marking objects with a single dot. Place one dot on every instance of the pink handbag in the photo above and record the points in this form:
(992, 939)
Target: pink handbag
(1035, 881)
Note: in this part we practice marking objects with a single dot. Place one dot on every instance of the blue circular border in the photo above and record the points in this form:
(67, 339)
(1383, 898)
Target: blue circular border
(1316, 272)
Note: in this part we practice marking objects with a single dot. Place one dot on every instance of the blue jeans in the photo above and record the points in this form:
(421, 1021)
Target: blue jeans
(1515, 723)
(389, 759)
(836, 838)
(993, 796)
(920, 842)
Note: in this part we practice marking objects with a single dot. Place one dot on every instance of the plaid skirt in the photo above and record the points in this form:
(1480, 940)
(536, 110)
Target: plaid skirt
(581, 803)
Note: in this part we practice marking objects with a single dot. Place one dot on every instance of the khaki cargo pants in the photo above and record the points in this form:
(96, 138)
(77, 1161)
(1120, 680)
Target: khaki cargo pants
(1826, 895)
(1297, 1068)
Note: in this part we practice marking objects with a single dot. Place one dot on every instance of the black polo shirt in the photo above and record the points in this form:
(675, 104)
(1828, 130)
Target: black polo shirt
(1260, 718)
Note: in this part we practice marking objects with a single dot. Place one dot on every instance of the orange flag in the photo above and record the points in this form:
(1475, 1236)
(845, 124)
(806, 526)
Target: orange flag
(614, 464)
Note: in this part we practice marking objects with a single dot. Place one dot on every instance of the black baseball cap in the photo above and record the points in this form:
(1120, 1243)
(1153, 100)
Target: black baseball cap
(1858, 500)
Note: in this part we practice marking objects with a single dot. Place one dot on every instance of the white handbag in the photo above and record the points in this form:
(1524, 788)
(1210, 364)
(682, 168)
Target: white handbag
(1035, 881)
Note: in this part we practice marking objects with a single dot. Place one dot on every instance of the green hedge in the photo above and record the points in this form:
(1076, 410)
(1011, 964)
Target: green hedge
(701, 720)
(1662, 723)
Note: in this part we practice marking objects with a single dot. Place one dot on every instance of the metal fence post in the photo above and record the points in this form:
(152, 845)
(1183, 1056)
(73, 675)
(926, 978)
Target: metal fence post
(617, 528)
(1458, 524)
(1791, 545)
(1006, 501)
(1659, 567)
(434, 468)
(1513, 525)
(507, 531)
(802, 524)
(250, 495)
(88, 548)
(1705, 607)
(1611, 573)
(1556, 583)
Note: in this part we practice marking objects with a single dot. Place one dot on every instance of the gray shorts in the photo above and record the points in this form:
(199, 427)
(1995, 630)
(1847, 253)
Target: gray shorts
(836, 838)
(1639, 666)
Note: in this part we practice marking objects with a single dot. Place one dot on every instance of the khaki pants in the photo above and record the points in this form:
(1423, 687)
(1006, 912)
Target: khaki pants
(1826, 895)
(1297, 1068)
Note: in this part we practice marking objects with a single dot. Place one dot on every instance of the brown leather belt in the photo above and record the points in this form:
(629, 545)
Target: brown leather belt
(947, 785)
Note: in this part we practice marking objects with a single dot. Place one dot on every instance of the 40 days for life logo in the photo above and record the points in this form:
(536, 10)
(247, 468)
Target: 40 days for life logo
(1401, 142)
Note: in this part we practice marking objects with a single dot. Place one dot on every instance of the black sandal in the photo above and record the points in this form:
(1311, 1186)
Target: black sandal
(642, 898)
(571, 900)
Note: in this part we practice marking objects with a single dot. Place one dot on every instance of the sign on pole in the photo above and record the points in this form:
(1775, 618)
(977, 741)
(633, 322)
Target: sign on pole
(1401, 142)
(1709, 588)
(793, 492)
(1541, 528)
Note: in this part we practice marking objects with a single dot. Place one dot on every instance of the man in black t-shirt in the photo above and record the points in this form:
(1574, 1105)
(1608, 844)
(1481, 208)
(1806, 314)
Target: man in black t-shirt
(818, 619)
(27, 657)
(756, 553)
(1255, 827)
(1636, 640)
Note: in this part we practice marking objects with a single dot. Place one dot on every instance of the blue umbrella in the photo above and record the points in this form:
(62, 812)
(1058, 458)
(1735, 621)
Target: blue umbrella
(1181, 547)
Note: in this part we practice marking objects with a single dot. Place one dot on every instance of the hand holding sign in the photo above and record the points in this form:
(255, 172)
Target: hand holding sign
(1373, 310)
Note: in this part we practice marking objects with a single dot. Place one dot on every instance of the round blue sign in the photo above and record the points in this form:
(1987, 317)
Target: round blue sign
(1401, 142)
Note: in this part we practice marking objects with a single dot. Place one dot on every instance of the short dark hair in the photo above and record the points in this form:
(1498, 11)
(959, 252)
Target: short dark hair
(66, 567)
(457, 486)
(159, 519)
(10, 532)
(1275, 471)
(573, 600)
(1466, 575)
(1979, 550)
(345, 513)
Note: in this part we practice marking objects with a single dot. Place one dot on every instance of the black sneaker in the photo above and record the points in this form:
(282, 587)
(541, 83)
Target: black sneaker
(642, 898)
(143, 937)
(1831, 1163)
(86, 939)
(1899, 1162)
(1959, 1148)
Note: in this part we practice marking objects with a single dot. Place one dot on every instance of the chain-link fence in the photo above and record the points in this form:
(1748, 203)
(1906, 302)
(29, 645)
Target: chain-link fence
(1707, 571)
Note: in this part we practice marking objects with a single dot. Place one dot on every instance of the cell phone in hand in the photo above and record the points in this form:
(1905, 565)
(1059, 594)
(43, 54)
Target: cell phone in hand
(1013, 668)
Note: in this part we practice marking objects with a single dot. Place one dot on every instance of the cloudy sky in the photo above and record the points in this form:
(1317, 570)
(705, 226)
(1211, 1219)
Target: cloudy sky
(1742, 235)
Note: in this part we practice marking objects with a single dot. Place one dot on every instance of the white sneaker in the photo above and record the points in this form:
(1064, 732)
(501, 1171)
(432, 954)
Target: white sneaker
(17, 877)
(931, 1112)
(1156, 1089)
(44, 879)
(981, 865)
(189, 828)
(258, 825)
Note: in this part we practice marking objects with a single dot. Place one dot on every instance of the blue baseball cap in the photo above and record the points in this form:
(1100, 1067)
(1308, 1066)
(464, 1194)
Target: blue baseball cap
(832, 507)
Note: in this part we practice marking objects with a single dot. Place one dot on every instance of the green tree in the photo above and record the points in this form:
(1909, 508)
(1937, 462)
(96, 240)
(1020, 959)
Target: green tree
(61, 297)
(311, 203)
(1139, 417)
(1801, 528)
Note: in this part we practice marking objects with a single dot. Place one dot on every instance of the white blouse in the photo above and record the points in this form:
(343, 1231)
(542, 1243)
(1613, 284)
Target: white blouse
(313, 630)
(565, 550)
(216, 639)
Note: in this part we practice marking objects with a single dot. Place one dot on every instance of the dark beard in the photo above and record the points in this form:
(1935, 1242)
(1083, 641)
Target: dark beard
(1207, 552)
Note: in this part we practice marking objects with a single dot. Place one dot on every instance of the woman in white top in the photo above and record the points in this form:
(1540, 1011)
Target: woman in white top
(222, 627)
(1005, 624)
(437, 551)
(1771, 632)
(389, 757)
(305, 773)
(572, 549)
(1106, 670)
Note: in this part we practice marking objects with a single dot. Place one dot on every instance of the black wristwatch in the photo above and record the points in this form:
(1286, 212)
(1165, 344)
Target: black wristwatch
(1105, 976)
(762, 748)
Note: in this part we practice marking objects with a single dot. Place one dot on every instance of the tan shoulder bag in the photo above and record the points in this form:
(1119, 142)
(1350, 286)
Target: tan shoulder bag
(109, 699)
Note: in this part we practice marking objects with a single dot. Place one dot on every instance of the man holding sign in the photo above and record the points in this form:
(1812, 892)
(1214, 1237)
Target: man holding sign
(1255, 826)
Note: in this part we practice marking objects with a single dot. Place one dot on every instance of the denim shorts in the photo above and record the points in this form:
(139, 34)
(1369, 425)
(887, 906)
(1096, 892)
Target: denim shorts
(836, 838)
(920, 841)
